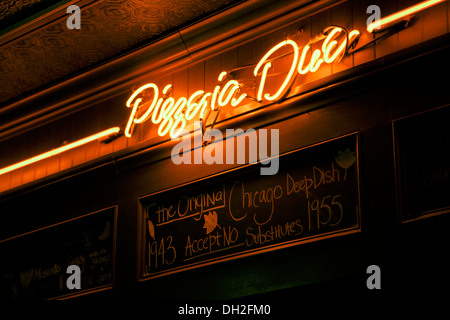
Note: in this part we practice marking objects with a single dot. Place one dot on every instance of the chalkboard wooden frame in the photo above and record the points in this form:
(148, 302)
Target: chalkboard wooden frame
(409, 208)
(109, 214)
(143, 202)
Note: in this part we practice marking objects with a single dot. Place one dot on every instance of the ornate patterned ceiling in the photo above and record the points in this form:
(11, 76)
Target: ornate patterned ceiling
(12, 11)
(52, 52)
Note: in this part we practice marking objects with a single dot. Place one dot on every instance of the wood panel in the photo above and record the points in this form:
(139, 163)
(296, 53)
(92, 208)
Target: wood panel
(360, 23)
(5, 181)
(303, 37)
(147, 130)
(212, 71)
(318, 23)
(413, 34)
(435, 21)
(389, 44)
(196, 78)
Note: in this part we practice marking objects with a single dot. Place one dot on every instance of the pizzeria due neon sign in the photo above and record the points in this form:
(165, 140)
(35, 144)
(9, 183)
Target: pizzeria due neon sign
(172, 114)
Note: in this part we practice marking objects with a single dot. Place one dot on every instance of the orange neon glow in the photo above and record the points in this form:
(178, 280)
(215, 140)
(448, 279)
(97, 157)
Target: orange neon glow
(228, 92)
(146, 115)
(59, 150)
(318, 56)
(316, 61)
(289, 77)
(329, 44)
(214, 97)
(204, 103)
(194, 107)
(266, 68)
(393, 18)
(222, 75)
(171, 114)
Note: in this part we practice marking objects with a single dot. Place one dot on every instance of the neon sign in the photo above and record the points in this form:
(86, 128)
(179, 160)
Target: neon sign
(172, 115)
(167, 112)
(148, 103)
(54, 152)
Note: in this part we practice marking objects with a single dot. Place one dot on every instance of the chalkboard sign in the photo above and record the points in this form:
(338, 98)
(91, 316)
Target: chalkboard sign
(422, 144)
(34, 266)
(315, 194)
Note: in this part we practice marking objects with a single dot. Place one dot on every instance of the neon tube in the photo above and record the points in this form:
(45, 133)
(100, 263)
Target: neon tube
(59, 150)
(168, 112)
(377, 25)
(289, 78)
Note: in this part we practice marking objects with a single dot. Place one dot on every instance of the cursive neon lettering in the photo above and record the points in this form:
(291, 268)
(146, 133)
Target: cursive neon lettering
(172, 115)
(290, 77)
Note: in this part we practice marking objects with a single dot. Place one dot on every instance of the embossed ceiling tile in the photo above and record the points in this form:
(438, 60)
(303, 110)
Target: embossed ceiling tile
(32, 82)
(86, 55)
(87, 27)
(60, 68)
(153, 28)
(51, 41)
(24, 55)
(151, 3)
(56, 28)
(108, 27)
(60, 55)
(10, 7)
(24, 83)
(118, 42)
(7, 57)
(23, 68)
(16, 58)
(149, 13)
(123, 27)
(5, 68)
(184, 11)
(90, 56)
(88, 13)
(86, 42)
(26, 43)
(115, 11)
